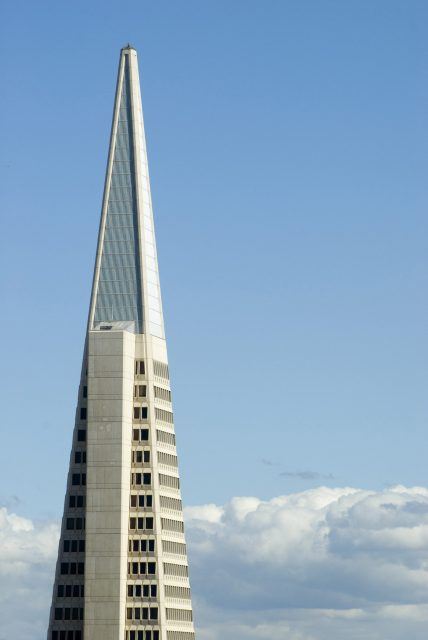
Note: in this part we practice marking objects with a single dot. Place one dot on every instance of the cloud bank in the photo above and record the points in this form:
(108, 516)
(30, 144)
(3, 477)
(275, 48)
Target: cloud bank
(323, 564)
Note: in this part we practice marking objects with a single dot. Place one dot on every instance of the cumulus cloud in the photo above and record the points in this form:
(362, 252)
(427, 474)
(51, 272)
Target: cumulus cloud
(27, 558)
(322, 564)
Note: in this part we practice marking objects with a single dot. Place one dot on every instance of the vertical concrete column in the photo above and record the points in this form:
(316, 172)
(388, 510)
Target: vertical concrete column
(111, 357)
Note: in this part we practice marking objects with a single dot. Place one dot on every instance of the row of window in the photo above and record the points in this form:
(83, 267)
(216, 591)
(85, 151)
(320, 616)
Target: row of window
(141, 500)
(170, 503)
(179, 548)
(73, 546)
(70, 591)
(180, 570)
(141, 413)
(140, 435)
(169, 481)
(163, 415)
(182, 615)
(76, 501)
(142, 635)
(162, 394)
(142, 613)
(140, 391)
(67, 635)
(80, 457)
(78, 479)
(68, 613)
(165, 436)
(142, 568)
(142, 590)
(167, 458)
(140, 368)
(72, 568)
(171, 591)
(75, 524)
(138, 479)
(160, 369)
(141, 456)
(141, 545)
(172, 525)
(141, 523)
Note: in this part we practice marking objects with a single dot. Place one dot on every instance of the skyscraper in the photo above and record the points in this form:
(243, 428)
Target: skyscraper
(122, 571)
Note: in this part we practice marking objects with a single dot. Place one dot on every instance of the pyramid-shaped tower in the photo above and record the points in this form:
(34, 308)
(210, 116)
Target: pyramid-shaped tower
(122, 571)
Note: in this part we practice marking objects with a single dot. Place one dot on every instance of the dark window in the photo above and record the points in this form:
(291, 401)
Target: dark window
(81, 435)
(153, 613)
(70, 524)
(146, 456)
(81, 568)
(79, 523)
(75, 479)
(84, 479)
(68, 590)
(144, 434)
(83, 413)
(132, 634)
(132, 522)
(149, 501)
(143, 545)
(142, 568)
(141, 523)
(149, 523)
(137, 614)
(77, 635)
(151, 566)
(78, 457)
(151, 545)
(73, 568)
(144, 413)
(135, 568)
(76, 590)
(130, 591)
(136, 413)
(133, 500)
(66, 546)
(74, 546)
(145, 613)
(85, 391)
(81, 545)
(140, 635)
(147, 478)
(135, 434)
(153, 590)
(142, 368)
(58, 614)
(145, 590)
(54, 635)
(60, 591)
(84, 457)
(155, 635)
(138, 590)
(62, 635)
(138, 456)
(75, 613)
(141, 500)
(135, 545)
(138, 478)
(67, 613)
(72, 502)
(80, 501)
(142, 390)
(129, 614)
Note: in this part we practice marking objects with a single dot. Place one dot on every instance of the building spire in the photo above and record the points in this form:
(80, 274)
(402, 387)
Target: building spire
(126, 280)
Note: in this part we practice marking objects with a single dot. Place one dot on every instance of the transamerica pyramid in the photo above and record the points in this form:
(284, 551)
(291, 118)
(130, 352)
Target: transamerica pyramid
(122, 571)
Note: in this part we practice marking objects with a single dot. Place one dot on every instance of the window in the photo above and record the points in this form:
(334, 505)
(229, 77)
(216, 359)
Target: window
(83, 413)
(70, 524)
(58, 614)
(136, 413)
(72, 502)
(133, 500)
(149, 523)
(146, 456)
(144, 413)
(60, 591)
(80, 501)
(147, 478)
(149, 500)
(130, 591)
(151, 545)
(144, 434)
(136, 434)
(81, 435)
(75, 479)
(66, 546)
(85, 391)
(80, 568)
(64, 568)
(78, 457)
(153, 613)
(140, 368)
(141, 523)
(138, 590)
(151, 568)
(153, 590)
(140, 391)
(132, 523)
(82, 546)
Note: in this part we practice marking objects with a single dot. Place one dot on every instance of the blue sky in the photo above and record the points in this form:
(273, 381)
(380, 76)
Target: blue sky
(287, 147)
(288, 150)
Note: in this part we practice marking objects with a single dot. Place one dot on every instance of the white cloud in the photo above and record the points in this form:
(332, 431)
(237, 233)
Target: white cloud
(324, 564)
